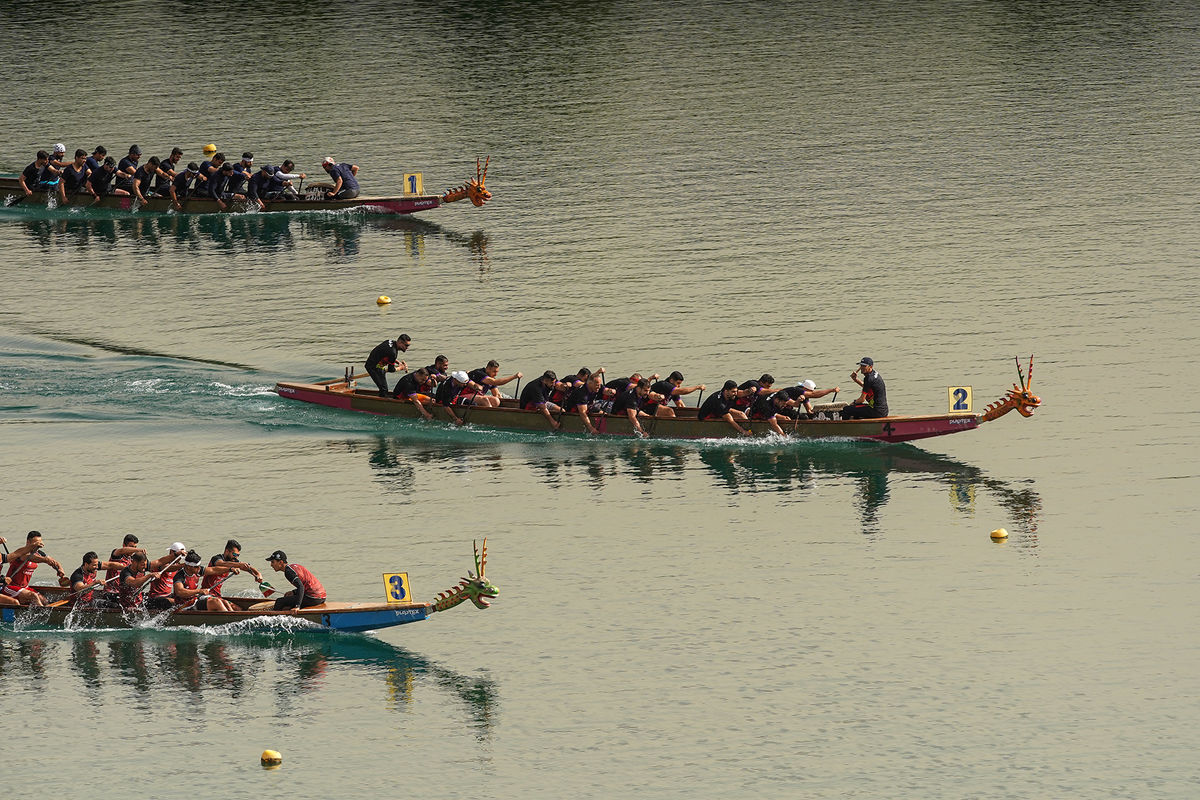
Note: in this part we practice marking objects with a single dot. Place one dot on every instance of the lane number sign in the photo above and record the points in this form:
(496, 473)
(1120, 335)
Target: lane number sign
(396, 588)
(960, 399)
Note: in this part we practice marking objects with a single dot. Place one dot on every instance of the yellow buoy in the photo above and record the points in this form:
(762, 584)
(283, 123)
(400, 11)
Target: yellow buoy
(271, 758)
(999, 535)
(383, 300)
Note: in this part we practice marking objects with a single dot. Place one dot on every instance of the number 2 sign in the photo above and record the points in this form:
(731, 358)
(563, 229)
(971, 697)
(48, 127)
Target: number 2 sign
(960, 399)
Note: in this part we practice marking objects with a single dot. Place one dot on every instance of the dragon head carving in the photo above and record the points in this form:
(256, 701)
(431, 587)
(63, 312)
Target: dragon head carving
(474, 189)
(1019, 398)
(475, 587)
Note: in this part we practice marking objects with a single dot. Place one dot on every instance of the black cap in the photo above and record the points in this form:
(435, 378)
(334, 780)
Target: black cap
(868, 362)
(135, 151)
(265, 168)
(278, 555)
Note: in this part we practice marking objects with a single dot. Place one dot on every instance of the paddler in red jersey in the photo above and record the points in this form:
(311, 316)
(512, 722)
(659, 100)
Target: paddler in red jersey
(86, 586)
(163, 587)
(190, 595)
(220, 565)
(308, 591)
(21, 564)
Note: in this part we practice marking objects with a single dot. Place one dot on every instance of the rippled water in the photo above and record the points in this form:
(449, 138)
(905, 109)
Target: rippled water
(719, 188)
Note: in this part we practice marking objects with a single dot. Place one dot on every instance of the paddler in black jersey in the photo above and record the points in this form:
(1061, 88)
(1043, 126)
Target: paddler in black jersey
(386, 355)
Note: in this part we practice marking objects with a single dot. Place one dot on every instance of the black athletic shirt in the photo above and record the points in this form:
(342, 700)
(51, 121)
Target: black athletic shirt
(478, 375)
(620, 385)
(533, 395)
(581, 396)
(409, 384)
(876, 392)
(626, 400)
(33, 175)
(385, 354)
(715, 406)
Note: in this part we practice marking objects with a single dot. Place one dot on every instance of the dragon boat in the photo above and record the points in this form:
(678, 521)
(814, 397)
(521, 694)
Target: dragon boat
(312, 199)
(344, 393)
(337, 616)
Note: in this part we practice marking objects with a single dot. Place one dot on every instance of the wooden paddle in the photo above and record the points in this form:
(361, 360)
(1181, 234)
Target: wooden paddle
(210, 589)
(89, 587)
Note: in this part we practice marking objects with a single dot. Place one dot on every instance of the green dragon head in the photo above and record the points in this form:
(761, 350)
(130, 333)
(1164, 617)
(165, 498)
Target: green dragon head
(475, 587)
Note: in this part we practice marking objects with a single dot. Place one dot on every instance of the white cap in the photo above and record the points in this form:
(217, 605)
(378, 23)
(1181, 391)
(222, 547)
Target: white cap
(328, 160)
(60, 148)
(178, 548)
(807, 385)
(459, 376)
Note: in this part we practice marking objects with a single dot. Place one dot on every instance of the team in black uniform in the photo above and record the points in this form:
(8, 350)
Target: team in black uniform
(635, 397)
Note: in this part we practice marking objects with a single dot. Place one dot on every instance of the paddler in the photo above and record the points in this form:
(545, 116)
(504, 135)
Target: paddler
(672, 390)
(345, 184)
(386, 355)
(87, 587)
(536, 397)
(416, 388)
(256, 187)
(127, 167)
(487, 378)
(132, 580)
(308, 591)
(719, 405)
(591, 396)
(224, 562)
(190, 594)
(183, 184)
(460, 390)
(166, 566)
(38, 176)
(121, 556)
(21, 564)
(630, 403)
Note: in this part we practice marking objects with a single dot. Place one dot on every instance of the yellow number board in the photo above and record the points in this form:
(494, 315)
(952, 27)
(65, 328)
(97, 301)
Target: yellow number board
(959, 399)
(414, 183)
(395, 587)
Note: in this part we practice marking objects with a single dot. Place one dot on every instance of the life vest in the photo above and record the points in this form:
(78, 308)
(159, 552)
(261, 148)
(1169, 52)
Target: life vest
(164, 584)
(131, 597)
(312, 586)
(124, 561)
(21, 573)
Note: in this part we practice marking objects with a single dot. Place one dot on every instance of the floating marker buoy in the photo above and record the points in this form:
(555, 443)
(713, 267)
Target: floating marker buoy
(271, 758)
(383, 300)
(999, 535)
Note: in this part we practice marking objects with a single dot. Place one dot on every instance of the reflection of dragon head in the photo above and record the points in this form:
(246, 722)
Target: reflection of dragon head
(474, 587)
(1019, 398)
(473, 189)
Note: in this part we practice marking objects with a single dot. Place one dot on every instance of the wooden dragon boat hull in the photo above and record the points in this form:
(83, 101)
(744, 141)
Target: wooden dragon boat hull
(336, 394)
(337, 616)
(10, 191)
(351, 617)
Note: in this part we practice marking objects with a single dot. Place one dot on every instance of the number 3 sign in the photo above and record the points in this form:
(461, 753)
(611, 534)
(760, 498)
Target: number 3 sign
(395, 587)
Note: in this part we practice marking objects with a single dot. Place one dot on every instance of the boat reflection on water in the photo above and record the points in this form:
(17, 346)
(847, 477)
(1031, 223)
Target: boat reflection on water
(340, 233)
(147, 663)
(872, 469)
